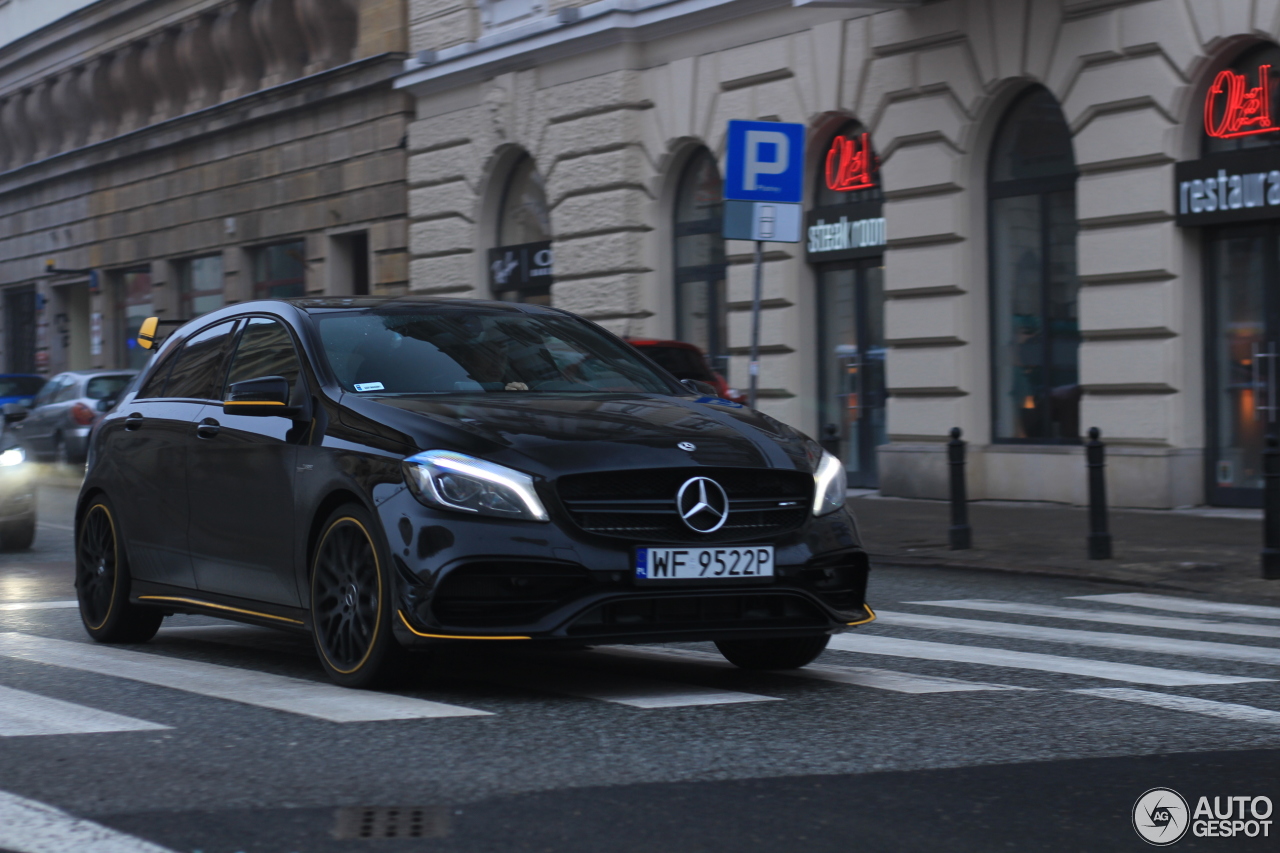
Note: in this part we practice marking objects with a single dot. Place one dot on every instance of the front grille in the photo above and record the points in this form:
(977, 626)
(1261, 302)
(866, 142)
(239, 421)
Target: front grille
(677, 613)
(641, 505)
(496, 593)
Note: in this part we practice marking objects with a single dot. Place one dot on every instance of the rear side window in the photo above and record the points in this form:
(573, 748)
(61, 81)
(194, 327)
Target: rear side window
(69, 390)
(48, 391)
(154, 386)
(197, 373)
(266, 349)
(102, 387)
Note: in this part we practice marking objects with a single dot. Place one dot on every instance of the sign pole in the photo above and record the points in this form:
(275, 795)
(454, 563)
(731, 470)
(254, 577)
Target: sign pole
(754, 368)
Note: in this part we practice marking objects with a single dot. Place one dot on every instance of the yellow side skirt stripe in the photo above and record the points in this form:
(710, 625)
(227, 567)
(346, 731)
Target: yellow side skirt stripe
(196, 603)
(418, 633)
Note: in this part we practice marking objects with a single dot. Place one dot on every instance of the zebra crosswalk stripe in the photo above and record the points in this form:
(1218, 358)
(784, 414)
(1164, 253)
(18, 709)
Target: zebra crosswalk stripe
(23, 713)
(38, 605)
(1138, 620)
(986, 656)
(859, 676)
(1191, 704)
(1184, 605)
(1124, 642)
(249, 687)
(29, 826)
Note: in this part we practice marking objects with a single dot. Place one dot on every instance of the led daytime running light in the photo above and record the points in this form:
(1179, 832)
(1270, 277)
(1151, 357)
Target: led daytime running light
(829, 473)
(515, 484)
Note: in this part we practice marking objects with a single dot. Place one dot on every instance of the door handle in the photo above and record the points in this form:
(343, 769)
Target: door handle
(133, 421)
(208, 428)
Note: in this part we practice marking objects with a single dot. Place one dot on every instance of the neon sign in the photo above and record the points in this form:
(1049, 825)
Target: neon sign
(1231, 110)
(850, 163)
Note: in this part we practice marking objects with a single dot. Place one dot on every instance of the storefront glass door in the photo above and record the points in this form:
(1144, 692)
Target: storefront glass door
(851, 365)
(1244, 358)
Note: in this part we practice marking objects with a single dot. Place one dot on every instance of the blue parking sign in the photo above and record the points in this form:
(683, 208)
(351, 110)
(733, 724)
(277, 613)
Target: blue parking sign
(765, 162)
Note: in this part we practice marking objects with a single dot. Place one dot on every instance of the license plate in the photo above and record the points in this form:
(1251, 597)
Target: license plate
(743, 561)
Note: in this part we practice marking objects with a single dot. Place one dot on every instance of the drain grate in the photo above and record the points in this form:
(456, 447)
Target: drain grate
(376, 822)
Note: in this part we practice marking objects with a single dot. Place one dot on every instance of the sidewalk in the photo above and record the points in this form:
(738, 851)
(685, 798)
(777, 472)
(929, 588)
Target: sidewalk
(1203, 551)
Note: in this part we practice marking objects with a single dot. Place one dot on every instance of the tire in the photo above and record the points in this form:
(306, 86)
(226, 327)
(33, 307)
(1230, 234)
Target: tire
(103, 581)
(352, 602)
(781, 653)
(18, 535)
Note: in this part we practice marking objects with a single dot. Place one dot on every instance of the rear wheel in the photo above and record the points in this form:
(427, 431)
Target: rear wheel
(780, 653)
(352, 603)
(102, 581)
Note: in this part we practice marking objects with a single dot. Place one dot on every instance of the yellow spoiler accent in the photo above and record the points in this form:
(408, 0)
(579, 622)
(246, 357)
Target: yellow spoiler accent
(870, 618)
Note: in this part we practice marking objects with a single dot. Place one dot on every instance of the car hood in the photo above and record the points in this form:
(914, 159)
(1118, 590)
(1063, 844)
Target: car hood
(554, 434)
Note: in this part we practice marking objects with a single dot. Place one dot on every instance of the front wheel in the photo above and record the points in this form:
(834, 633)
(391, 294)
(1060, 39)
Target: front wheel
(781, 653)
(352, 602)
(102, 581)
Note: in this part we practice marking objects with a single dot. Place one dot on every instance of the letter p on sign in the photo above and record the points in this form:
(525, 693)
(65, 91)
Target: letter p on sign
(767, 152)
(764, 162)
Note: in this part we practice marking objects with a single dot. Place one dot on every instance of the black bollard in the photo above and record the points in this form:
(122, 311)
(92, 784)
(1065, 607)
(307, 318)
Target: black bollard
(1099, 536)
(960, 535)
(1271, 509)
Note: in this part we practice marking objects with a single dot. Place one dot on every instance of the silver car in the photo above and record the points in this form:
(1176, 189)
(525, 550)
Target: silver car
(63, 413)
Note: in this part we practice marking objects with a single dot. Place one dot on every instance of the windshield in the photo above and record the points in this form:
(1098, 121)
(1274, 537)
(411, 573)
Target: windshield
(449, 351)
(20, 386)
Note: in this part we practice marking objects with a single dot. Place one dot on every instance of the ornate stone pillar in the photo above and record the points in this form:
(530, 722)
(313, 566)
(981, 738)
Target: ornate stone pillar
(234, 44)
(41, 120)
(279, 38)
(95, 93)
(14, 119)
(330, 30)
(128, 90)
(6, 146)
(199, 62)
(72, 119)
(159, 65)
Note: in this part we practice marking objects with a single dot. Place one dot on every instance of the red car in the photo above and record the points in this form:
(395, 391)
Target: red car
(686, 361)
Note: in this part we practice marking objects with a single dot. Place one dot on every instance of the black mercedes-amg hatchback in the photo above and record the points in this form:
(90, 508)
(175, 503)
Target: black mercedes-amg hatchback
(387, 474)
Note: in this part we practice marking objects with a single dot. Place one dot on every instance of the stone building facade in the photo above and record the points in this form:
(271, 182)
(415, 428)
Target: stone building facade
(1034, 278)
(170, 157)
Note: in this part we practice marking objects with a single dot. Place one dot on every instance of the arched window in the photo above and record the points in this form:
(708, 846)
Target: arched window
(520, 267)
(699, 259)
(1034, 287)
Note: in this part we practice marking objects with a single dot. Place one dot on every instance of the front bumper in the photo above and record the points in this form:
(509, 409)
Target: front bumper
(465, 578)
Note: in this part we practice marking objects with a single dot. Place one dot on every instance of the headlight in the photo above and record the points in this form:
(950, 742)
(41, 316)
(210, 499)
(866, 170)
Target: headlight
(448, 480)
(12, 456)
(829, 485)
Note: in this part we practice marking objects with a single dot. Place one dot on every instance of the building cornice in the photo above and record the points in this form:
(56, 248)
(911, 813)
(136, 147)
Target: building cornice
(603, 24)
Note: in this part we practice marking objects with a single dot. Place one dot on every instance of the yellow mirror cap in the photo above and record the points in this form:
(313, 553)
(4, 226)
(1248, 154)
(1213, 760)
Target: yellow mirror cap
(147, 334)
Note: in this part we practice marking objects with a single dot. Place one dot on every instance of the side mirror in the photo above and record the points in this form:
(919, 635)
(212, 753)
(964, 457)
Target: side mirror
(702, 389)
(264, 397)
(13, 412)
(147, 332)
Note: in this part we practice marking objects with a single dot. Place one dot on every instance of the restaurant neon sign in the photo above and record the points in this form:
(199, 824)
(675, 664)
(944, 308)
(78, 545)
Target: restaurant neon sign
(1231, 109)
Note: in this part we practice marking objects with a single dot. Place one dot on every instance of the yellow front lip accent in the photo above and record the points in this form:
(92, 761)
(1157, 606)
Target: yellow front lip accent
(418, 633)
(870, 618)
(196, 603)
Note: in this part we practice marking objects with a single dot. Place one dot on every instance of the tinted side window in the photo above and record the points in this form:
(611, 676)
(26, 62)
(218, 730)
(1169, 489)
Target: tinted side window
(266, 349)
(198, 370)
(47, 392)
(154, 386)
(69, 390)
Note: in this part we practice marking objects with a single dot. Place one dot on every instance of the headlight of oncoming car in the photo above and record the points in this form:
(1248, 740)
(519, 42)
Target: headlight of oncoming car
(448, 480)
(829, 482)
(12, 456)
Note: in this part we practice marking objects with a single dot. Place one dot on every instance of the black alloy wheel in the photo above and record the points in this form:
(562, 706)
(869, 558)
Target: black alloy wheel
(352, 603)
(102, 582)
(780, 653)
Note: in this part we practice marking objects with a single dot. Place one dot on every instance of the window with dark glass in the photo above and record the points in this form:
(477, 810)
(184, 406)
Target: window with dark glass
(701, 313)
(197, 373)
(521, 269)
(280, 271)
(133, 305)
(1034, 287)
(200, 285)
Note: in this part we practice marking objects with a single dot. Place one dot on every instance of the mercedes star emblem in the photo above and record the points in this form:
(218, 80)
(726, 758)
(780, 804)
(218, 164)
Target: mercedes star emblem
(702, 504)
(687, 445)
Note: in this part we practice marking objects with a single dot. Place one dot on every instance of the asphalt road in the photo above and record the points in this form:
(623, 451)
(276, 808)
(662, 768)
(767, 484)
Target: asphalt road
(1014, 716)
